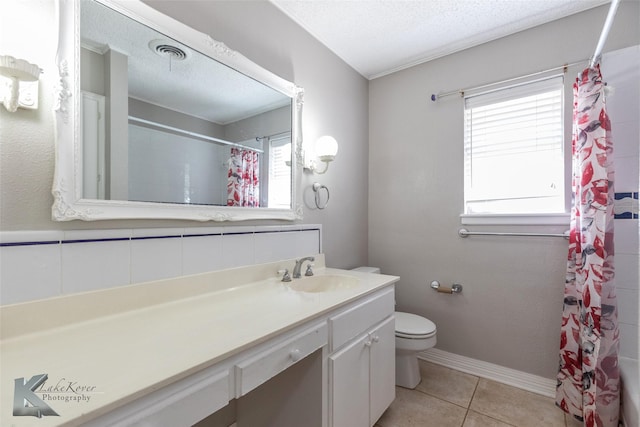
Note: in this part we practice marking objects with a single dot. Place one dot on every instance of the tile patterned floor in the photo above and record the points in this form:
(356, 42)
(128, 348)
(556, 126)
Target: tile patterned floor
(450, 398)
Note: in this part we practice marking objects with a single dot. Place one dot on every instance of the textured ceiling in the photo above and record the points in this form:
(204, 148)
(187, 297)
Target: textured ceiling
(377, 37)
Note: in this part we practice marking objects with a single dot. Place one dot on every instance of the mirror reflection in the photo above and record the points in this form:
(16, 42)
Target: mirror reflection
(164, 123)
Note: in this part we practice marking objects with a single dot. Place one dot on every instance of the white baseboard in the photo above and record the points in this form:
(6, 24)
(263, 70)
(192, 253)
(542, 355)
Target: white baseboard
(533, 383)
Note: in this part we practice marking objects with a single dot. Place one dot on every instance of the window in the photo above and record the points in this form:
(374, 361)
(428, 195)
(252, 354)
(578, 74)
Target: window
(280, 172)
(514, 157)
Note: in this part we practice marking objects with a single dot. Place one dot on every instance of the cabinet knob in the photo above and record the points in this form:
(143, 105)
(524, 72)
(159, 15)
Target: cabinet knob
(368, 343)
(376, 338)
(295, 355)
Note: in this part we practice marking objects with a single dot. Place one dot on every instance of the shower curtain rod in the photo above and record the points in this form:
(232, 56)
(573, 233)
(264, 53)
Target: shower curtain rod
(605, 32)
(192, 134)
(564, 68)
(463, 232)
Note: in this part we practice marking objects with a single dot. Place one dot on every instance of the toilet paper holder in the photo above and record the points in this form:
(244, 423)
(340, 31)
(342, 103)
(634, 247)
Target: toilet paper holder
(456, 288)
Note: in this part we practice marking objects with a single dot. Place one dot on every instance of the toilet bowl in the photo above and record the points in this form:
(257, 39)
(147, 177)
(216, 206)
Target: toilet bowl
(413, 334)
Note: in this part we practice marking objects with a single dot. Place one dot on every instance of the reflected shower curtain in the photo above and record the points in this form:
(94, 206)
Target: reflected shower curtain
(588, 379)
(243, 184)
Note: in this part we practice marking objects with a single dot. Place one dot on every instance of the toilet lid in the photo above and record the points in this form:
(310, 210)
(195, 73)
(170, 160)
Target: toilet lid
(412, 326)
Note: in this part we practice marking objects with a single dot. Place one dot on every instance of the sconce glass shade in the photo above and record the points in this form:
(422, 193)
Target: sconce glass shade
(326, 148)
(16, 70)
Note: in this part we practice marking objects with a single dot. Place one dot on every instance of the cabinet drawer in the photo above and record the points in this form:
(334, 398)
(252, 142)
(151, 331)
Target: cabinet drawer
(183, 403)
(347, 325)
(252, 372)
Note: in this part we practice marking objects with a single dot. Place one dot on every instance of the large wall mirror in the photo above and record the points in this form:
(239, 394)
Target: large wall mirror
(157, 120)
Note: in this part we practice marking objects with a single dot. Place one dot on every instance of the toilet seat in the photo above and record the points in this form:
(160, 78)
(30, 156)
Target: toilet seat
(411, 326)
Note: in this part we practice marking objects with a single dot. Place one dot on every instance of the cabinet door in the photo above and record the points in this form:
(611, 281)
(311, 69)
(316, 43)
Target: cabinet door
(349, 375)
(382, 368)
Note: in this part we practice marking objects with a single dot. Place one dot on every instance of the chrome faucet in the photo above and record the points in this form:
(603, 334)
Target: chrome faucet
(298, 266)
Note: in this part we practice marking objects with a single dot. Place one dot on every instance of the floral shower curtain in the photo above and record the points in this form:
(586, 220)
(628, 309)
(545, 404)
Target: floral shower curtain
(243, 185)
(588, 378)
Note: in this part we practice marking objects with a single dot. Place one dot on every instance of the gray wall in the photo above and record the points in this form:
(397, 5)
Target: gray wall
(335, 103)
(509, 313)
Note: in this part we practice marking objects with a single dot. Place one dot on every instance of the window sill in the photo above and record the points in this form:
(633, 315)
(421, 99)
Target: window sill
(515, 219)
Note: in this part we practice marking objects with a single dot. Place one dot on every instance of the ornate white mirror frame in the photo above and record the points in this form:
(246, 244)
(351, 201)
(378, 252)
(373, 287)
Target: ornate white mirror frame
(69, 203)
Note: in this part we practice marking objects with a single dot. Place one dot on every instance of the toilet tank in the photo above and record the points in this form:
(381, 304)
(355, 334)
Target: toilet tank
(363, 269)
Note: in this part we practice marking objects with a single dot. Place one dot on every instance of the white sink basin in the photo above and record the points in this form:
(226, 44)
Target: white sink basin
(325, 283)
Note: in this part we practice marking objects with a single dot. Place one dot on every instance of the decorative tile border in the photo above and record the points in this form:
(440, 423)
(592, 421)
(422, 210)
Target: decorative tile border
(32, 238)
(625, 205)
(43, 264)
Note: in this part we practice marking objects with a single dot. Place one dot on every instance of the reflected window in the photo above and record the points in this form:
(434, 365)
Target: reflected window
(280, 172)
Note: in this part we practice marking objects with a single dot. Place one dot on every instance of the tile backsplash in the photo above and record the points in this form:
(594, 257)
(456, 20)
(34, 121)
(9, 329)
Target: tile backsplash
(621, 70)
(44, 264)
(627, 253)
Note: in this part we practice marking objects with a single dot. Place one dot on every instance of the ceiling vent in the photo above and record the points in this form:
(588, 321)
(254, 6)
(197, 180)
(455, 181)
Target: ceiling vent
(165, 49)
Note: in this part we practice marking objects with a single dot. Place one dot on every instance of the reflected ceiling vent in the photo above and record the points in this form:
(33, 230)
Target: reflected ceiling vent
(166, 49)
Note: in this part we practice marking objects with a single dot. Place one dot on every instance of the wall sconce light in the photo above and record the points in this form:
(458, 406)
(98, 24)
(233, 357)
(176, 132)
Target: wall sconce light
(326, 148)
(19, 91)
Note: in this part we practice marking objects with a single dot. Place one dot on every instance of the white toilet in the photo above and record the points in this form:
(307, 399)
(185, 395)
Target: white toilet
(413, 334)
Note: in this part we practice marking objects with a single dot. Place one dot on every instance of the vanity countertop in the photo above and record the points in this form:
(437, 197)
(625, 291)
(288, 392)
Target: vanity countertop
(105, 348)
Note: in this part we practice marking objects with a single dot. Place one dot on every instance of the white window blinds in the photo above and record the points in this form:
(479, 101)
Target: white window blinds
(514, 150)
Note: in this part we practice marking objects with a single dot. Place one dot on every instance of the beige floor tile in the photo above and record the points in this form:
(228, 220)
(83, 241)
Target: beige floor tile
(416, 409)
(447, 384)
(475, 419)
(572, 422)
(515, 406)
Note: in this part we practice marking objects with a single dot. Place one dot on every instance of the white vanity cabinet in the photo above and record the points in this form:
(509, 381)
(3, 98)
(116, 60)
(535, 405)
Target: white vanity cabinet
(295, 358)
(362, 370)
(382, 369)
